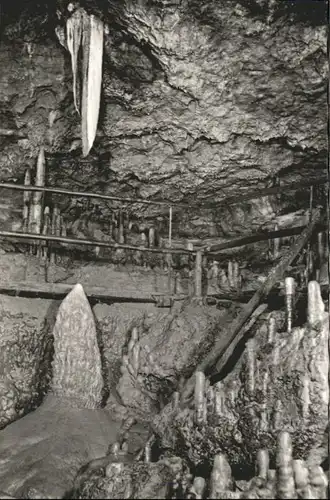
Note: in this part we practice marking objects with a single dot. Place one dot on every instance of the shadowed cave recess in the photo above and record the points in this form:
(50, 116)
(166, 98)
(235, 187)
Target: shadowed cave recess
(164, 249)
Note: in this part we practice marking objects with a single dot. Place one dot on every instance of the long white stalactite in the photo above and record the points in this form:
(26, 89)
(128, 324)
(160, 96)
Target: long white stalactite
(86, 32)
(92, 79)
(73, 37)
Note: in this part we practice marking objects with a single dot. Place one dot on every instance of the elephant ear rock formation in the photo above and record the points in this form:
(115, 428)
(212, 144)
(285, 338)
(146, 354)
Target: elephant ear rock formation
(41, 453)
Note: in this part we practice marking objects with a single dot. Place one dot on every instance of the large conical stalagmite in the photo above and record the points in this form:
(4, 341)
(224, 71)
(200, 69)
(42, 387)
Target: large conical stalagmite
(77, 371)
(91, 80)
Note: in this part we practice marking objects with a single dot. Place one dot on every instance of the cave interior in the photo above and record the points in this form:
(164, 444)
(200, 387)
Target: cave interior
(164, 249)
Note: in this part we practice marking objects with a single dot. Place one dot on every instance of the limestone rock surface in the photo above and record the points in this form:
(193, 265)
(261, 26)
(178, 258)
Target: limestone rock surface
(25, 354)
(200, 101)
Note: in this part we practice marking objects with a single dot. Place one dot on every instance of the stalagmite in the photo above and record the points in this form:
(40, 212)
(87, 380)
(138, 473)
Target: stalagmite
(27, 200)
(232, 393)
(315, 304)
(276, 356)
(221, 479)
(198, 274)
(320, 248)
(168, 266)
(318, 482)
(136, 358)
(58, 229)
(178, 286)
(143, 243)
(289, 298)
(92, 44)
(210, 400)
(63, 228)
(310, 262)
(199, 398)
(74, 27)
(77, 377)
(124, 447)
(121, 236)
(236, 275)
(151, 237)
(113, 233)
(224, 283)
(276, 247)
(126, 366)
(115, 449)
(176, 399)
(198, 488)
(25, 213)
(45, 231)
(219, 403)
(271, 329)
(256, 371)
(133, 340)
(264, 418)
(262, 463)
(277, 415)
(285, 481)
(147, 452)
(305, 399)
(301, 478)
(265, 383)
(231, 274)
(38, 196)
(161, 257)
(215, 271)
(250, 366)
(55, 216)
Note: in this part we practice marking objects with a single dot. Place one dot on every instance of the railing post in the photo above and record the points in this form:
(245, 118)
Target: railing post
(198, 274)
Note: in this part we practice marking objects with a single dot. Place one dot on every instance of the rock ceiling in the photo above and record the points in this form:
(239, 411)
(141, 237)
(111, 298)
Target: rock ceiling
(200, 101)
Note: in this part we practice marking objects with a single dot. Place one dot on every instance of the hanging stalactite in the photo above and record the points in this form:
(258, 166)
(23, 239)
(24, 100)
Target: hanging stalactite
(92, 41)
(73, 36)
(86, 32)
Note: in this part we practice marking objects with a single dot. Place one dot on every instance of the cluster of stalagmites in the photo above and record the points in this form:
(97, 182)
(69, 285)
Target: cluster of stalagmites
(170, 477)
(288, 478)
(281, 382)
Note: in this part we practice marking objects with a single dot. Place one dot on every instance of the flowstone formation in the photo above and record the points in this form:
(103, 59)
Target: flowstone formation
(41, 453)
(280, 383)
(160, 349)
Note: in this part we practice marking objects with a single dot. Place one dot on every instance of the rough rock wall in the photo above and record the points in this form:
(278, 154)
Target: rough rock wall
(198, 103)
(25, 353)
